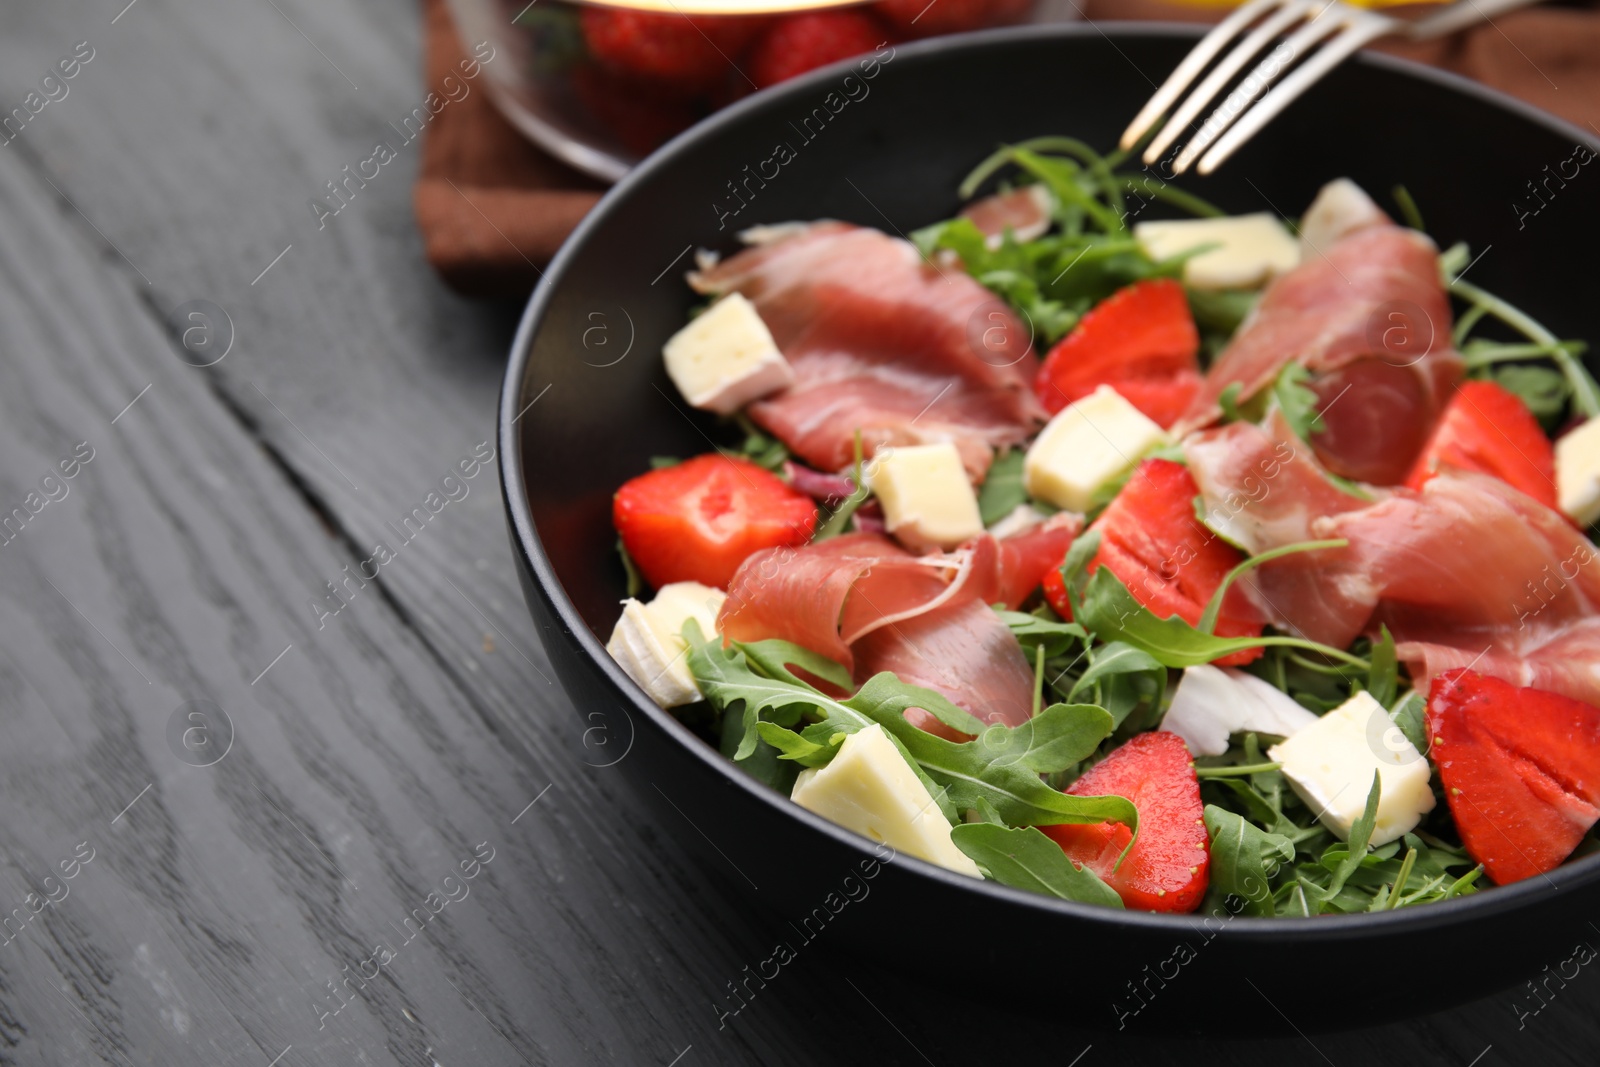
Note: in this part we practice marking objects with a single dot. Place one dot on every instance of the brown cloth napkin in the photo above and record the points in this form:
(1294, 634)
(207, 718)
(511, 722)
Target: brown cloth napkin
(493, 208)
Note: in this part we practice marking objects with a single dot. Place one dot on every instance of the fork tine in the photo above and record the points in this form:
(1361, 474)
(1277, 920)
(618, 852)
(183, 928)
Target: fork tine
(1231, 64)
(1186, 71)
(1256, 82)
(1298, 81)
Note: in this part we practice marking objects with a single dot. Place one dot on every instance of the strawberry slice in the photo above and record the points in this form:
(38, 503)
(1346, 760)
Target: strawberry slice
(1520, 769)
(672, 50)
(1170, 864)
(1168, 559)
(1488, 429)
(698, 521)
(800, 43)
(1141, 341)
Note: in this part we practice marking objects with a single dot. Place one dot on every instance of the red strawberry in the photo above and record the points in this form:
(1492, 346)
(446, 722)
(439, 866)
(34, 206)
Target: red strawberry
(1170, 562)
(1140, 340)
(922, 18)
(1170, 864)
(642, 120)
(1488, 429)
(800, 43)
(1520, 769)
(698, 521)
(686, 53)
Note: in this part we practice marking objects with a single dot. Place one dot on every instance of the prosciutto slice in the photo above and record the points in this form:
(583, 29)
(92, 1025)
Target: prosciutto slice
(1370, 318)
(1261, 488)
(1469, 572)
(882, 343)
(865, 602)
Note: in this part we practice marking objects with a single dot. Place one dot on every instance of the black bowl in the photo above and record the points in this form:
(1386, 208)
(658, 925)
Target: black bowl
(888, 152)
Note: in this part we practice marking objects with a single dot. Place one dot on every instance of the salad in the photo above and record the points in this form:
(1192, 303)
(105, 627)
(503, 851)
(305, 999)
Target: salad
(1104, 545)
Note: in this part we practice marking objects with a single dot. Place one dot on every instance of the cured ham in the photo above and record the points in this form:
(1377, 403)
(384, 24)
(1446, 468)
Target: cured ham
(884, 344)
(961, 650)
(1370, 319)
(866, 603)
(1468, 572)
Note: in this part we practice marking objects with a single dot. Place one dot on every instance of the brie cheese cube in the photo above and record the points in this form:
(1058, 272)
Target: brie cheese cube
(1578, 472)
(927, 500)
(1212, 703)
(648, 645)
(869, 787)
(1253, 249)
(1088, 444)
(726, 357)
(1331, 763)
(1341, 207)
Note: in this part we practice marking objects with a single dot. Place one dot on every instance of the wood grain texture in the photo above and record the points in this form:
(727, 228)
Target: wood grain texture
(381, 748)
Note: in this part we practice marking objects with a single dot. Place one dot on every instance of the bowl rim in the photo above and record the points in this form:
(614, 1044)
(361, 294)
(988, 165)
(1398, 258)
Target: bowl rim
(1527, 893)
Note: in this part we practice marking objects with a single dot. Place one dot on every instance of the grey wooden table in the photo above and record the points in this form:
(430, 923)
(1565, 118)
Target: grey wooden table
(237, 827)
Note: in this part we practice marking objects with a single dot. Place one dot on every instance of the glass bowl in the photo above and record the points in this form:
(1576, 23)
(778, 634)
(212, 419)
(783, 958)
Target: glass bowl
(601, 83)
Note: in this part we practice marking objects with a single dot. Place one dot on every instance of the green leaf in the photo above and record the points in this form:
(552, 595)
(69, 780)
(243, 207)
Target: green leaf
(630, 569)
(1002, 491)
(1384, 677)
(1057, 738)
(1245, 859)
(1027, 859)
(995, 767)
(1360, 834)
(1038, 631)
(792, 746)
(761, 762)
(1112, 613)
(1408, 716)
(1122, 678)
(1408, 208)
(839, 520)
(1545, 391)
(774, 658)
(1297, 402)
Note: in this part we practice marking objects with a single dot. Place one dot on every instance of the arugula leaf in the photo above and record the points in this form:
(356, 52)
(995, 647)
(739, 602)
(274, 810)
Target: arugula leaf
(1039, 631)
(1384, 677)
(635, 580)
(1122, 678)
(1111, 613)
(1297, 401)
(1408, 716)
(1545, 391)
(1027, 859)
(1002, 491)
(1356, 847)
(837, 522)
(1057, 738)
(761, 761)
(793, 746)
(995, 767)
(1244, 859)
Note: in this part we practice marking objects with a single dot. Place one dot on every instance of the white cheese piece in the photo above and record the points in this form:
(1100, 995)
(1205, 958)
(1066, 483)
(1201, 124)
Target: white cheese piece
(646, 641)
(1018, 520)
(1578, 472)
(726, 357)
(1253, 249)
(1341, 207)
(927, 500)
(1089, 443)
(869, 787)
(1212, 703)
(1331, 763)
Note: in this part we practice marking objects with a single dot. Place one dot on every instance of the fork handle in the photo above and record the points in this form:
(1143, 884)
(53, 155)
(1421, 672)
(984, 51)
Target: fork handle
(1460, 15)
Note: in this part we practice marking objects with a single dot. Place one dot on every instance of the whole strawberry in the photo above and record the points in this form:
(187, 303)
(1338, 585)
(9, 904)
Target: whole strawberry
(920, 18)
(675, 51)
(800, 43)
